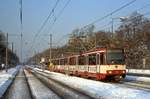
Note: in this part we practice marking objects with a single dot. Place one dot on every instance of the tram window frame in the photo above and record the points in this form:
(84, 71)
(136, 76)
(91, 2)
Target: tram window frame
(72, 61)
(53, 62)
(77, 61)
(65, 61)
(102, 58)
(97, 59)
(92, 59)
(82, 60)
(57, 62)
(62, 62)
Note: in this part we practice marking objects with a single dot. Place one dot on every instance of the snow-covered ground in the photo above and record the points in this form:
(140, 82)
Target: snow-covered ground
(6, 78)
(138, 71)
(100, 89)
(138, 78)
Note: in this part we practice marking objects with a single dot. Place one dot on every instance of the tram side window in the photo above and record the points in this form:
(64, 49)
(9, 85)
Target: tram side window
(62, 62)
(82, 60)
(72, 61)
(53, 61)
(57, 62)
(98, 60)
(102, 58)
(65, 61)
(92, 59)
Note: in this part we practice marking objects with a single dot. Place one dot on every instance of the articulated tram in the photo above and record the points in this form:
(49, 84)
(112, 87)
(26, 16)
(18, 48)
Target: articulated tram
(101, 63)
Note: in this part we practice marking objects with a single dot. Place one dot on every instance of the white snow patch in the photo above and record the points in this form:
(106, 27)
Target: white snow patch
(137, 78)
(100, 89)
(6, 78)
(138, 71)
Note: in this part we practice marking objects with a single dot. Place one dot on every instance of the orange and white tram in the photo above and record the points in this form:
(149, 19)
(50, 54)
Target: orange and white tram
(101, 63)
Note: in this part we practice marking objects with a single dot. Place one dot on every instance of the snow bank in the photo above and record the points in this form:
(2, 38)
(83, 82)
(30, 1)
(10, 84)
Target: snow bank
(99, 89)
(6, 78)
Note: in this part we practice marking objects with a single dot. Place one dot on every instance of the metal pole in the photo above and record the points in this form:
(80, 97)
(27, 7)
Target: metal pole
(6, 67)
(50, 47)
(12, 47)
(35, 56)
(95, 41)
(21, 48)
(144, 62)
(112, 27)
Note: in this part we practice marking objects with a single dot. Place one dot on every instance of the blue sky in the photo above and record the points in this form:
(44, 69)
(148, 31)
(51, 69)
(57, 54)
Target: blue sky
(76, 15)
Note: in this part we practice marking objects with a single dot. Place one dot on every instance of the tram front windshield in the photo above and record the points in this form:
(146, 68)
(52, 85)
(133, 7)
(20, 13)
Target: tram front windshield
(115, 57)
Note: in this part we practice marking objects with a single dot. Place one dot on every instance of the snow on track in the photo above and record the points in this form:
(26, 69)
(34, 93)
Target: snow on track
(99, 89)
(38, 89)
(6, 79)
(19, 88)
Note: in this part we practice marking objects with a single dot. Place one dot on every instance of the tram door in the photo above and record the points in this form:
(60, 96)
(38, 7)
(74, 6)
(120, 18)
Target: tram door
(97, 62)
(101, 60)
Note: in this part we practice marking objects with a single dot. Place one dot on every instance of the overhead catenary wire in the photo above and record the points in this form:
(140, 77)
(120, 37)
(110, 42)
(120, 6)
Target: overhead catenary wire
(107, 25)
(93, 21)
(109, 14)
(61, 11)
(117, 11)
(104, 16)
(59, 14)
(44, 23)
(141, 8)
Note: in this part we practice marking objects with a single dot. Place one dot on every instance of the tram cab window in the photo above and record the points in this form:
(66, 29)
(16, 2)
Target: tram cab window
(82, 60)
(92, 59)
(102, 58)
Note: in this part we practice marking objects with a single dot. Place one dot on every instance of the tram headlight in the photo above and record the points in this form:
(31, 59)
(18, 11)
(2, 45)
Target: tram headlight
(109, 72)
(123, 72)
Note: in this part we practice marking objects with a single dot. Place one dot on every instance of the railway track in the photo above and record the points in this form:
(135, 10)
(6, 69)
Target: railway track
(27, 86)
(64, 91)
(19, 88)
(38, 89)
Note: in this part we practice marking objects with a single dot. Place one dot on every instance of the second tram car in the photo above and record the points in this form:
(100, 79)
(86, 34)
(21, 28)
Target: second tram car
(101, 63)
